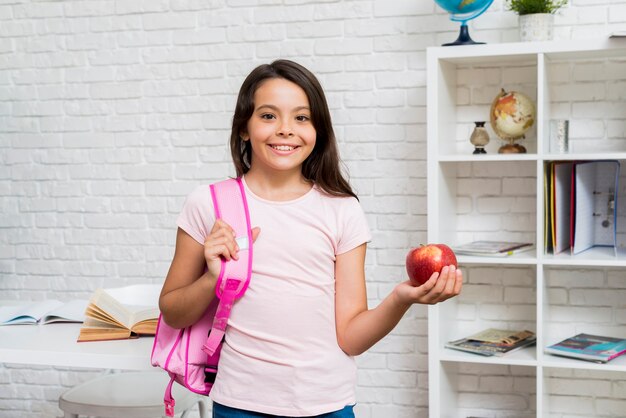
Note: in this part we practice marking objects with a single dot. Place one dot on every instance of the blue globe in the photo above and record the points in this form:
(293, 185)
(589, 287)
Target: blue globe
(462, 11)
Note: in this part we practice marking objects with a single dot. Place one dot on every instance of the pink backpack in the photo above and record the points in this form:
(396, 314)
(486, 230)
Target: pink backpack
(190, 355)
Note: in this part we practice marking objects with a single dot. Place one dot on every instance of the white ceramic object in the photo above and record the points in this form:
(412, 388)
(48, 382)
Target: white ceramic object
(536, 27)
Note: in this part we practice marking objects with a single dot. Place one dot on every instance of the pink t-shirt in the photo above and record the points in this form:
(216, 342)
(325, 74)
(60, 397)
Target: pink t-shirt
(281, 354)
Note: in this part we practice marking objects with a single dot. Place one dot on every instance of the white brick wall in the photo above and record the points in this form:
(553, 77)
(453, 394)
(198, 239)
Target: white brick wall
(112, 111)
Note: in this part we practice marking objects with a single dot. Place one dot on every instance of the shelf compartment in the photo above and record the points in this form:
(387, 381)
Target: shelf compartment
(590, 92)
(598, 255)
(487, 390)
(462, 91)
(584, 300)
(583, 393)
(493, 200)
(501, 297)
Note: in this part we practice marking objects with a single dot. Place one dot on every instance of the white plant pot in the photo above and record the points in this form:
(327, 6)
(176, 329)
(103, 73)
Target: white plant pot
(536, 27)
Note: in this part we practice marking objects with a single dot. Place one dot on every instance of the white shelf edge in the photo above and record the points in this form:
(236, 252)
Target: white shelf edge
(528, 49)
(585, 156)
(569, 261)
(487, 157)
(615, 365)
(513, 259)
(532, 157)
(593, 257)
(523, 357)
(553, 362)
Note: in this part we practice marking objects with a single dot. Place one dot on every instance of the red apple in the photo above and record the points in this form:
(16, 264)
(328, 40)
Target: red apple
(423, 261)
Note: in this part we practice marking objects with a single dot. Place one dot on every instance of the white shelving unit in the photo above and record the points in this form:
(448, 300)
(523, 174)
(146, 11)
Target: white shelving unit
(500, 197)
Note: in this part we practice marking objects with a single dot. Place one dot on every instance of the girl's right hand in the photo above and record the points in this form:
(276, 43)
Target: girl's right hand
(220, 243)
(439, 287)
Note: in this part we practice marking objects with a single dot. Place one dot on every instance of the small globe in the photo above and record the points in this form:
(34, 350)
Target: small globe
(462, 11)
(512, 114)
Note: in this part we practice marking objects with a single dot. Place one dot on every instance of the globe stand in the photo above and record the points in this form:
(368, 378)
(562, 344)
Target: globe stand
(512, 149)
(464, 37)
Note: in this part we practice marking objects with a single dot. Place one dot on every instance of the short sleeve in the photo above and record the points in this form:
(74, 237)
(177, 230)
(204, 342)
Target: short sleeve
(354, 229)
(197, 216)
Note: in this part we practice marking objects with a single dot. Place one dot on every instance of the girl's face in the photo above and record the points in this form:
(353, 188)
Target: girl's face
(280, 129)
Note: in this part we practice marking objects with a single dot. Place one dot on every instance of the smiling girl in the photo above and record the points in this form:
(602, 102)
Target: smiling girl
(291, 341)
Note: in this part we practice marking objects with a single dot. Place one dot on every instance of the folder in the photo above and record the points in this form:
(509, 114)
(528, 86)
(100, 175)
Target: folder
(593, 212)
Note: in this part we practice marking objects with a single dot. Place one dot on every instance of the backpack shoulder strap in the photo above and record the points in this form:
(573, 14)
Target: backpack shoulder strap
(230, 205)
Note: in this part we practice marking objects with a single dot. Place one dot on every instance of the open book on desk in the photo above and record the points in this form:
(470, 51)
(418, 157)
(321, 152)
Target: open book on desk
(42, 312)
(121, 313)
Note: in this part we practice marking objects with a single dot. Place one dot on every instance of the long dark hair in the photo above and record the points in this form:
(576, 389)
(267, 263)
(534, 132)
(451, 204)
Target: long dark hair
(323, 166)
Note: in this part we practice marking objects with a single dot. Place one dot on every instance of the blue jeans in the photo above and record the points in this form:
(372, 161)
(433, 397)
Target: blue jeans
(223, 411)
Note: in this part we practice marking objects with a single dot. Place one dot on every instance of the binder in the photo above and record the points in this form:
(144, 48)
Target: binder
(593, 211)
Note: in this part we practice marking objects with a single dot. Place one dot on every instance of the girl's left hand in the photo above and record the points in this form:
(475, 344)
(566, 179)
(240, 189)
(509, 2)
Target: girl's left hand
(439, 287)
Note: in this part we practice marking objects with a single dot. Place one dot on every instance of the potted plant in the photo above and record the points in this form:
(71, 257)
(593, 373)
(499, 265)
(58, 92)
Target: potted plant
(536, 17)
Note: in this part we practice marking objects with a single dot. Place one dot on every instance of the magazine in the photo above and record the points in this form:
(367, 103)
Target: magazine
(42, 312)
(589, 347)
(492, 248)
(494, 342)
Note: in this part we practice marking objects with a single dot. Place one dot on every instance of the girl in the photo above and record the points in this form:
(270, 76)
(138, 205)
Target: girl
(291, 339)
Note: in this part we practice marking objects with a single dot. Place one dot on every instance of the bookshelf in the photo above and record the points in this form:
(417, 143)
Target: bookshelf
(500, 197)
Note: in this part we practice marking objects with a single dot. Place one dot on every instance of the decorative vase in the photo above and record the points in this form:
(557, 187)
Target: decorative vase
(479, 138)
(536, 27)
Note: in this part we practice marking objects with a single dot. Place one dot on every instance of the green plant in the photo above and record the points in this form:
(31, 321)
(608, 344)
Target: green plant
(526, 7)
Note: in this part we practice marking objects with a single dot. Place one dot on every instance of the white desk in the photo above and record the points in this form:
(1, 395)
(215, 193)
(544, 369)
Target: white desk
(55, 345)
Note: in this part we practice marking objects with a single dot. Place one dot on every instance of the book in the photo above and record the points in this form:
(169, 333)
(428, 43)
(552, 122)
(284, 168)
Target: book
(42, 312)
(494, 342)
(562, 205)
(492, 248)
(589, 347)
(548, 245)
(121, 313)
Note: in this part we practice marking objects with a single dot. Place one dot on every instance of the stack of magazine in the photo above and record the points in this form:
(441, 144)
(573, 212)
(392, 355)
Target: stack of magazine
(494, 342)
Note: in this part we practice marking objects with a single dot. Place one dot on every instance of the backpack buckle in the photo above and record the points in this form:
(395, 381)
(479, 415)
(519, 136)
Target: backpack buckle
(169, 407)
(242, 242)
